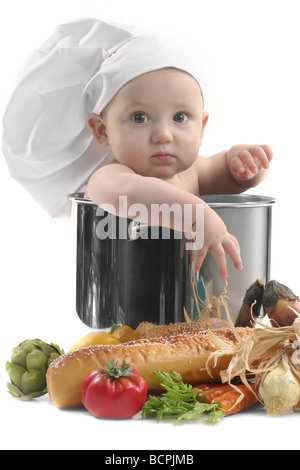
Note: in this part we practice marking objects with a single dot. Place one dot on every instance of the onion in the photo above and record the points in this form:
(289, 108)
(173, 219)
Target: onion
(278, 302)
(251, 305)
(282, 314)
(280, 390)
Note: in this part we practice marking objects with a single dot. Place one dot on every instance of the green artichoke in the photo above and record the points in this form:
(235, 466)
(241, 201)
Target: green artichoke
(27, 369)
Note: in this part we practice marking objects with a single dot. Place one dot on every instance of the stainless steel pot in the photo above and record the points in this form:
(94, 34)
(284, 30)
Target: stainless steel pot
(132, 279)
(249, 218)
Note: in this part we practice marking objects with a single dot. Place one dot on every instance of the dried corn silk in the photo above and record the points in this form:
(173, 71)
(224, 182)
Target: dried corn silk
(212, 306)
(259, 353)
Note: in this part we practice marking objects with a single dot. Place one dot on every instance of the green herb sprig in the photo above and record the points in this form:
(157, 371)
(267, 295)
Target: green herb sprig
(179, 400)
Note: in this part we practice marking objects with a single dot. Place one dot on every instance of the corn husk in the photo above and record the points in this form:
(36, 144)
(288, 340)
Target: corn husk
(256, 355)
(259, 353)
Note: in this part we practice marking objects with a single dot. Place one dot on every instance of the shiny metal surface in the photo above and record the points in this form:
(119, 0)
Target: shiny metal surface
(249, 219)
(134, 279)
(126, 280)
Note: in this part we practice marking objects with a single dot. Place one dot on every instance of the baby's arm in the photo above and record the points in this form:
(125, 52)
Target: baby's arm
(115, 180)
(234, 170)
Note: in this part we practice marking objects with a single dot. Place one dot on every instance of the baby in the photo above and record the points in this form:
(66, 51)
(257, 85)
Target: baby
(143, 100)
(154, 127)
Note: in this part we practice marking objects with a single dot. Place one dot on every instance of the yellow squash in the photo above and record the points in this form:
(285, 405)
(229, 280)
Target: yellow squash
(92, 339)
(125, 333)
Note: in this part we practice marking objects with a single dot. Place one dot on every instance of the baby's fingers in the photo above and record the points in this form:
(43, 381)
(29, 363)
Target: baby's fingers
(232, 248)
(251, 160)
(268, 152)
(199, 256)
(219, 255)
(241, 165)
(262, 154)
(248, 162)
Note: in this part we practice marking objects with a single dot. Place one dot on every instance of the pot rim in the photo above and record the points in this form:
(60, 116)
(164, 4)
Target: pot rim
(214, 200)
(238, 200)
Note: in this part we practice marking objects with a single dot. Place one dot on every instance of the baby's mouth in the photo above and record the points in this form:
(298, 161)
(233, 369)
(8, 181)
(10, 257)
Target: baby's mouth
(163, 157)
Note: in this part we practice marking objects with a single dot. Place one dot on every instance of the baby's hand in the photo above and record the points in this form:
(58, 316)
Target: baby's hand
(218, 241)
(246, 161)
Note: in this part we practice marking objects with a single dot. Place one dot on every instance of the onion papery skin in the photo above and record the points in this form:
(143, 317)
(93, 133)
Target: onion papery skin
(282, 314)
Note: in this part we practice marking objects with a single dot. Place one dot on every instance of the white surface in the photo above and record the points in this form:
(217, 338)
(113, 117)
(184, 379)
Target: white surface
(253, 97)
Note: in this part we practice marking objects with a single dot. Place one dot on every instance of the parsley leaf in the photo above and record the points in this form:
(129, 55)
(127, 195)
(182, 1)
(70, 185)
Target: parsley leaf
(179, 400)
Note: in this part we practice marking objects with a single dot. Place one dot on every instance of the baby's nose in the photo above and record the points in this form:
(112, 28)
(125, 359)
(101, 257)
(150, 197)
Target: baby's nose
(162, 135)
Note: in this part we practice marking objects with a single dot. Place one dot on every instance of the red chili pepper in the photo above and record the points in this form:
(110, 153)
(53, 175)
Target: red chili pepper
(114, 392)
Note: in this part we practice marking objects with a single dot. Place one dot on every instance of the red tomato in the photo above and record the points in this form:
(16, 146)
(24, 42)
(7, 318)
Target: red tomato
(114, 392)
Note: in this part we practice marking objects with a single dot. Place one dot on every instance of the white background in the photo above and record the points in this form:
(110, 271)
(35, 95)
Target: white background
(253, 96)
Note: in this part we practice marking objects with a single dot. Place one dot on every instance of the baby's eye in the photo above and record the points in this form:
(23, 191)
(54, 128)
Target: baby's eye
(140, 118)
(180, 117)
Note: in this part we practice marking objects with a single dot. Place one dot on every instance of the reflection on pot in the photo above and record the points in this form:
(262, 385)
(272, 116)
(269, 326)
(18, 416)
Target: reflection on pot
(134, 278)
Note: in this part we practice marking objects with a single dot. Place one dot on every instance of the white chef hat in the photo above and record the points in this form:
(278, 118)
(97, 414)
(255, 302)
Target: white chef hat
(47, 143)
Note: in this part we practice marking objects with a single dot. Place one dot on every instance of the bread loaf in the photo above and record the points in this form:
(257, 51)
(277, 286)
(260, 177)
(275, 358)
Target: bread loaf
(186, 354)
(150, 330)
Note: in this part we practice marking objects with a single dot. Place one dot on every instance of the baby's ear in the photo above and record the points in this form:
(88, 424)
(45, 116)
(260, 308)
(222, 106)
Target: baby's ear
(96, 123)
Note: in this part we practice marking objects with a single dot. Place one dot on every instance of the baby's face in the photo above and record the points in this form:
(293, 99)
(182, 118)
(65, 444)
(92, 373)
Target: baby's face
(154, 124)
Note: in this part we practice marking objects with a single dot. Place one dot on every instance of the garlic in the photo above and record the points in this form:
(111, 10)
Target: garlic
(280, 390)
